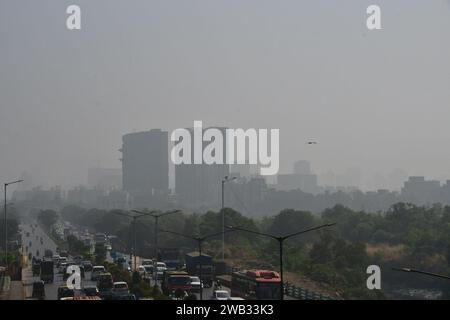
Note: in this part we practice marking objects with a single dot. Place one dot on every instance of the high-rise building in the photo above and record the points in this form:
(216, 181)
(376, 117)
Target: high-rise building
(145, 163)
(198, 186)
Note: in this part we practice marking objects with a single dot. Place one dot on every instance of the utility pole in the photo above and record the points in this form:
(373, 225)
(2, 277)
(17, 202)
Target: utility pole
(133, 252)
(224, 180)
(200, 241)
(281, 243)
(6, 221)
(156, 217)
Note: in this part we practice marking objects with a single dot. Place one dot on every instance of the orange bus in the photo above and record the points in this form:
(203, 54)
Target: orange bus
(256, 284)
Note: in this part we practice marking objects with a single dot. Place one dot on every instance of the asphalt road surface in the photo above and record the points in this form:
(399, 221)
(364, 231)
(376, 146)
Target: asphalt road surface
(37, 241)
(32, 243)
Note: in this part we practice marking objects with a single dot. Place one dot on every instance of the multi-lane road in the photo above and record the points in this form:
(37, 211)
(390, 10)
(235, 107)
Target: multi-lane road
(32, 235)
(32, 244)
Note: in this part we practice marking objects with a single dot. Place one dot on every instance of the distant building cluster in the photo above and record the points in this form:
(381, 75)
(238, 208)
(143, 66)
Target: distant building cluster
(143, 182)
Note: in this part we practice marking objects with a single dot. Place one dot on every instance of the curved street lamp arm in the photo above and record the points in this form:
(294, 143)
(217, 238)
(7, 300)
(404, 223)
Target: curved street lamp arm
(168, 212)
(308, 230)
(179, 234)
(215, 234)
(251, 231)
(422, 272)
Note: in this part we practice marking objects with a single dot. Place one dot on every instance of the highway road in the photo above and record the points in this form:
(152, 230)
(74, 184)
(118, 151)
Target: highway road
(32, 235)
(32, 244)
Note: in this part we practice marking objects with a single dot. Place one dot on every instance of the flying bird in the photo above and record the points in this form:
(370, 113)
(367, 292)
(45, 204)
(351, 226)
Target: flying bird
(311, 142)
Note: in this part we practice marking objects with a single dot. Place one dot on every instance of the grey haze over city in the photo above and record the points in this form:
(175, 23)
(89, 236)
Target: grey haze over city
(377, 103)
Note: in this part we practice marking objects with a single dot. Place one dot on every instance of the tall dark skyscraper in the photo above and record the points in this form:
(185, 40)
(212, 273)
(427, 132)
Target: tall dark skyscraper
(145, 163)
(199, 185)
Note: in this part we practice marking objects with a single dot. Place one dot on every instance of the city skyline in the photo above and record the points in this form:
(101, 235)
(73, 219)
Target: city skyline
(314, 73)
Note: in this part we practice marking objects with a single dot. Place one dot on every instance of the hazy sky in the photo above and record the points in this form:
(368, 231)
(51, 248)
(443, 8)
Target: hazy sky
(376, 100)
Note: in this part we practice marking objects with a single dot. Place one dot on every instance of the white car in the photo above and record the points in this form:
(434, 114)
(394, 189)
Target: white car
(141, 271)
(148, 271)
(62, 267)
(161, 265)
(147, 262)
(120, 288)
(61, 260)
(96, 270)
(195, 284)
(221, 295)
(160, 268)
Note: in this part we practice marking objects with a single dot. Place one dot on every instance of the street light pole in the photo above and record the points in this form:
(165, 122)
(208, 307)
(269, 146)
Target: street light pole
(6, 222)
(224, 180)
(6, 232)
(156, 237)
(134, 217)
(281, 243)
(134, 249)
(156, 217)
(200, 272)
(200, 241)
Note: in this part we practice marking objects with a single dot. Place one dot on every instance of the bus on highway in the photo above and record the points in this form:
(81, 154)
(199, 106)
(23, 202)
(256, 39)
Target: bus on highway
(256, 284)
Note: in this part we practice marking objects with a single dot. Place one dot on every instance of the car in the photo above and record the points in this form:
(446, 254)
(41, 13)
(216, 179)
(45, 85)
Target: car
(161, 264)
(63, 254)
(64, 292)
(148, 271)
(38, 290)
(56, 258)
(141, 270)
(159, 269)
(147, 262)
(62, 267)
(195, 284)
(61, 260)
(159, 273)
(105, 282)
(87, 265)
(220, 295)
(96, 271)
(120, 288)
(90, 291)
(125, 297)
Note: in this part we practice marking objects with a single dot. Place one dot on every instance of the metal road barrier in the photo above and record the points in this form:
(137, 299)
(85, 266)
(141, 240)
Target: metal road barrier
(304, 294)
